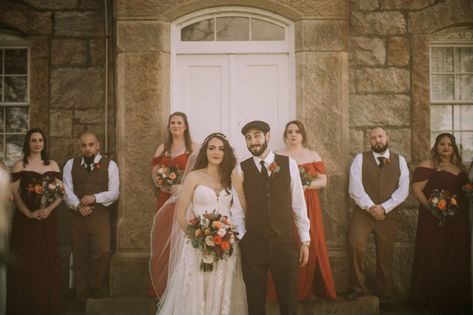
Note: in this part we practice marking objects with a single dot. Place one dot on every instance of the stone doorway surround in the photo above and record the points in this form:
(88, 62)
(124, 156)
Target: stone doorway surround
(143, 105)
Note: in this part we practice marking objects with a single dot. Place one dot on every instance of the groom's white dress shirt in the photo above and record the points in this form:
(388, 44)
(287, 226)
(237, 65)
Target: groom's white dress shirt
(299, 207)
(358, 193)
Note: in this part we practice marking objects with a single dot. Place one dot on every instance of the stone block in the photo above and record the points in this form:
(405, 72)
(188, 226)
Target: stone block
(89, 116)
(440, 15)
(39, 47)
(129, 274)
(60, 123)
(320, 35)
(405, 4)
(407, 225)
(398, 51)
(367, 51)
(63, 149)
(39, 92)
(382, 110)
(91, 4)
(136, 305)
(357, 140)
(389, 80)
(143, 36)
(53, 4)
(24, 19)
(352, 81)
(364, 5)
(77, 88)
(66, 52)
(400, 141)
(97, 52)
(377, 23)
(79, 24)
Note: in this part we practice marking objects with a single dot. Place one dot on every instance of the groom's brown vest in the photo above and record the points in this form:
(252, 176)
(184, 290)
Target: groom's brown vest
(89, 183)
(269, 201)
(378, 183)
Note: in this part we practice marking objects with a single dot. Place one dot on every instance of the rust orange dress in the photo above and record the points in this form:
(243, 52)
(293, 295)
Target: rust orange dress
(315, 278)
(163, 226)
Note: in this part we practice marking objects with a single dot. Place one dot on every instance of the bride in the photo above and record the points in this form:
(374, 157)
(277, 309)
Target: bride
(208, 187)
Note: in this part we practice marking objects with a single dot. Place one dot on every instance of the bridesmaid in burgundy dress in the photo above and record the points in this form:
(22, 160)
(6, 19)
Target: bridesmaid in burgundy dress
(441, 272)
(33, 279)
(315, 278)
(174, 152)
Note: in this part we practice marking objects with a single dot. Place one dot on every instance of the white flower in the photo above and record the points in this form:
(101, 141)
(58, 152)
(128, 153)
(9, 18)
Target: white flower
(435, 200)
(208, 259)
(221, 232)
(209, 240)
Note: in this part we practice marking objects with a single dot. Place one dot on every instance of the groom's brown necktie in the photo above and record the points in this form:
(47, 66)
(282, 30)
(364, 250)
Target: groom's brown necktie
(381, 160)
(264, 171)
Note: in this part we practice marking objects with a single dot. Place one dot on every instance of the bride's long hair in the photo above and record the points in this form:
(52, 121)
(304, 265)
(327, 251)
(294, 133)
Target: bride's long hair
(228, 163)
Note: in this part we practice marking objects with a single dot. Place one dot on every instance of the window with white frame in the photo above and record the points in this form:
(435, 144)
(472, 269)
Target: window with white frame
(14, 96)
(451, 87)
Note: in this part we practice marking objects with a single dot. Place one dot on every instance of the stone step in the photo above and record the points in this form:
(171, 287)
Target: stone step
(367, 305)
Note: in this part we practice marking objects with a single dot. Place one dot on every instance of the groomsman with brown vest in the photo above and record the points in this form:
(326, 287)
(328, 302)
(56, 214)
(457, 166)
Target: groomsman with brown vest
(275, 204)
(379, 183)
(91, 186)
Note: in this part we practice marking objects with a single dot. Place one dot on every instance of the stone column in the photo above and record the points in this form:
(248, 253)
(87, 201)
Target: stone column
(142, 107)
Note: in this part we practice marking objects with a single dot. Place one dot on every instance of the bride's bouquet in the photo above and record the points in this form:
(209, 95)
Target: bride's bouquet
(214, 235)
(443, 205)
(46, 189)
(306, 177)
(168, 176)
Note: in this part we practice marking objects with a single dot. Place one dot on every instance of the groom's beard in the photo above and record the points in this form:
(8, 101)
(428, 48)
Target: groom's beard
(88, 159)
(378, 148)
(257, 150)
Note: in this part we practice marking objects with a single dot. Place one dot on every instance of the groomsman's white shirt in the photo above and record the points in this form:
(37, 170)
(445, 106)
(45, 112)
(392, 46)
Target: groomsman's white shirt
(358, 193)
(105, 198)
(299, 207)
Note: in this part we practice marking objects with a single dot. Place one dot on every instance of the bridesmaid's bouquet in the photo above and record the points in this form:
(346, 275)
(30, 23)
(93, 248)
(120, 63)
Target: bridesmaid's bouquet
(443, 205)
(306, 177)
(214, 235)
(47, 190)
(468, 189)
(168, 176)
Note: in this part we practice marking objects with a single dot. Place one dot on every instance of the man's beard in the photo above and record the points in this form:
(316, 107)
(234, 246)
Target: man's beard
(379, 149)
(89, 159)
(264, 146)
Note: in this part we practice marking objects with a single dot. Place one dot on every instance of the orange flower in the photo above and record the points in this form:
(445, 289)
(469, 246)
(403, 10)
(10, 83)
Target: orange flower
(98, 166)
(160, 181)
(172, 176)
(469, 186)
(442, 205)
(217, 224)
(217, 239)
(274, 167)
(225, 245)
(38, 189)
(198, 232)
(453, 201)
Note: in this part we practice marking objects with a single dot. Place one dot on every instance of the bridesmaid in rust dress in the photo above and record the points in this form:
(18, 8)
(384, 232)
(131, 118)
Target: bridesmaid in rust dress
(441, 272)
(314, 279)
(175, 153)
(33, 279)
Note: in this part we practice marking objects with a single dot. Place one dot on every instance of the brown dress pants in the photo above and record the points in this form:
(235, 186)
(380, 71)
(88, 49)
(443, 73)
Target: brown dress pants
(361, 226)
(91, 251)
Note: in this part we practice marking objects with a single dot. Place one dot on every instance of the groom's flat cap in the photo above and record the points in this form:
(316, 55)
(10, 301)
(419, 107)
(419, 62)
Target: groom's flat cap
(255, 124)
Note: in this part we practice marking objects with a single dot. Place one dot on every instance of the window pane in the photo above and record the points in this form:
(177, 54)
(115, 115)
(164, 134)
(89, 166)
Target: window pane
(262, 30)
(17, 119)
(16, 61)
(1, 61)
(441, 60)
(15, 89)
(465, 59)
(233, 28)
(14, 147)
(199, 31)
(465, 87)
(2, 122)
(465, 143)
(440, 117)
(442, 87)
(463, 117)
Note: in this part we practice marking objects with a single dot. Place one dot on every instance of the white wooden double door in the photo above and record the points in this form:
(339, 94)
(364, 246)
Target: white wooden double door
(222, 92)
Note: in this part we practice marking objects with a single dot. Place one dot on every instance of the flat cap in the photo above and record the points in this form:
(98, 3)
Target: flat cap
(255, 124)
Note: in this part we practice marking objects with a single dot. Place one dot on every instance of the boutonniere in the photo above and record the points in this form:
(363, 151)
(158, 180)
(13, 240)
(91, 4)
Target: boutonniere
(386, 161)
(274, 168)
(97, 166)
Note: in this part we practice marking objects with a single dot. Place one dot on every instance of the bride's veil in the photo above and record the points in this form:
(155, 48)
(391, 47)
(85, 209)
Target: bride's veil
(166, 244)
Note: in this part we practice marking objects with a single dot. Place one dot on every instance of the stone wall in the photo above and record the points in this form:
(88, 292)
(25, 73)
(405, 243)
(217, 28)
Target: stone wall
(389, 86)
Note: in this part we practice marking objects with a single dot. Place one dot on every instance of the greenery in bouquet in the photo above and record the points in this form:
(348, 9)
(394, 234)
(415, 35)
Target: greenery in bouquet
(168, 176)
(46, 189)
(306, 177)
(214, 235)
(443, 205)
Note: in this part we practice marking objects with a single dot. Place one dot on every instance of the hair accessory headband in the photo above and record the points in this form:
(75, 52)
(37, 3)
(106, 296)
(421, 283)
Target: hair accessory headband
(215, 134)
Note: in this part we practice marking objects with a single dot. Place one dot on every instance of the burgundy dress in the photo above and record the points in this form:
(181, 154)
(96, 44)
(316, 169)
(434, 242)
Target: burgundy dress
(33, 278)
(441, 272)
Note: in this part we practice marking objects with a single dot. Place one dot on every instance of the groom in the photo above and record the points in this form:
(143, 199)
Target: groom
(275, 202)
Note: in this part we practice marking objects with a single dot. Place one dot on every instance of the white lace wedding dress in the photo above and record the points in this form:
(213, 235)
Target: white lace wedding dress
(191, 291)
